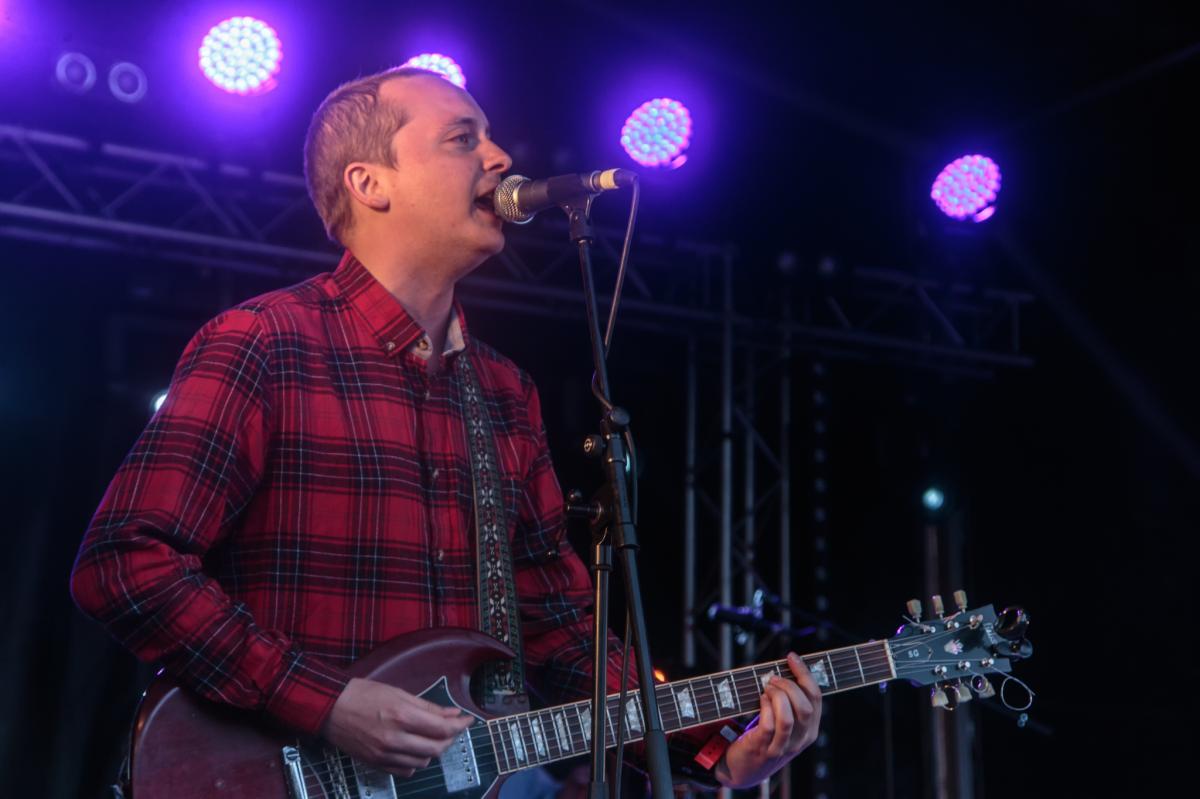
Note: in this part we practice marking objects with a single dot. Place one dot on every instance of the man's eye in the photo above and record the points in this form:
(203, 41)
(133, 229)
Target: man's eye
(464, 138)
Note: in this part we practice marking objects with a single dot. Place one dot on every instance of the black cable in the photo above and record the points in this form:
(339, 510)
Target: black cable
(616, 300)
(621, 709)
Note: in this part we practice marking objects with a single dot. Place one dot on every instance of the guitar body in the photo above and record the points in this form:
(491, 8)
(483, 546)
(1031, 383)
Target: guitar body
(185, 747)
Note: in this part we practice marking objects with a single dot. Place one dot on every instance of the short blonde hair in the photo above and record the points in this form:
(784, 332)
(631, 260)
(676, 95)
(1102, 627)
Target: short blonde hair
(351, 124)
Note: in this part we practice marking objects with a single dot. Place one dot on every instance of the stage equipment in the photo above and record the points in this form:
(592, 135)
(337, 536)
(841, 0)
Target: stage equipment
(183, 745)
(933, 498)
(967, 187)
(658, 133)
(75, 72)
(612, 514)
(518, 199)
(241, 55)
(127, 82)
(439, 64)
(158, 401)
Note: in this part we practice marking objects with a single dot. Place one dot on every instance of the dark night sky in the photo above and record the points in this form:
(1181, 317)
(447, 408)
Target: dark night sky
(818, 131)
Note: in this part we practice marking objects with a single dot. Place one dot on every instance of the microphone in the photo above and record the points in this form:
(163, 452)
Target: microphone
(739, 616)
(518, 199)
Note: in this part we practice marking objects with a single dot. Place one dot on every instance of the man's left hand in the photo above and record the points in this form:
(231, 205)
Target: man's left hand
(788, 721)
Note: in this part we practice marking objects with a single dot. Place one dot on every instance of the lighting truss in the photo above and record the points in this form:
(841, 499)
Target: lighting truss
(67, 190)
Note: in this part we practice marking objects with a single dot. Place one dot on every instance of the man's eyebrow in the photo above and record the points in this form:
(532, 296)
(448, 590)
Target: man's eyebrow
(471, 122)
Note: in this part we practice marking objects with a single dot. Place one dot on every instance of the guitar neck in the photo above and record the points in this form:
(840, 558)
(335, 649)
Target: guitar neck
(556, 733)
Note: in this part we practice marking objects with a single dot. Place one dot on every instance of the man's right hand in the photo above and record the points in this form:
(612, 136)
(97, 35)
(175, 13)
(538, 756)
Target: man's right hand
(390, 728)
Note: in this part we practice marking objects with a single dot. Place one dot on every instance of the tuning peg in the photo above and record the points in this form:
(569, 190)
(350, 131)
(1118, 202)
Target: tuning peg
(914, 609)
(1018, 650)
(983, 687)
(939, 698)
(939, 609)
(960, 600)
(1012, 624)
(955, 694)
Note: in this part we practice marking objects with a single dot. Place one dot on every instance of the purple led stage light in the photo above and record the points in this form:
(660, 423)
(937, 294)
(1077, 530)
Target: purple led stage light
(967, 187)
(241, 55)
(658, 133)
(440, 64)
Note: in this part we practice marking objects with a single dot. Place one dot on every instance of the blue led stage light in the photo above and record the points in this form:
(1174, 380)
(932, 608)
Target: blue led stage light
(241, 55)
(440, 64)
(658, 133)
(967, 188)
(933, 499)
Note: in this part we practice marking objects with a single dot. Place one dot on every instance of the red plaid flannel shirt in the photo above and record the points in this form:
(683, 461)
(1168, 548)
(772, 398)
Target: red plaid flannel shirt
(304, 495)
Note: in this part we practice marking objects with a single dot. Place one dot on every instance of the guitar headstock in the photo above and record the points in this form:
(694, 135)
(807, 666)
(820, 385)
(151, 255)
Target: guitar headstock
(956, 652)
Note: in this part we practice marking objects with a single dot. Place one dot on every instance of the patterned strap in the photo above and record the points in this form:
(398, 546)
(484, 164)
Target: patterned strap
(499, 615)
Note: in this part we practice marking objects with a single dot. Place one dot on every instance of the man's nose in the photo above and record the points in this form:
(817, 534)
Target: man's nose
(497, 159)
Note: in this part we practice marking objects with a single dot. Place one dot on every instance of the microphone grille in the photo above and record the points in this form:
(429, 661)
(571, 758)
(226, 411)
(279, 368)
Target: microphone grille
(505, 200)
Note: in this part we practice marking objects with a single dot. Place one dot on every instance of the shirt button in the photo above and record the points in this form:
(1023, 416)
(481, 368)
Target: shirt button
(391, 345)
(435, 474)
(441, 553)
(423, 344)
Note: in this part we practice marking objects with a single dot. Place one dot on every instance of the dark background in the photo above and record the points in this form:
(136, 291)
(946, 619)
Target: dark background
(818, 132)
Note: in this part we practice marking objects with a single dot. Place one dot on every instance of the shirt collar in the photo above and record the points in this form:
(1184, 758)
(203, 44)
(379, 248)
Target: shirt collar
(455, 338)
(386, 318)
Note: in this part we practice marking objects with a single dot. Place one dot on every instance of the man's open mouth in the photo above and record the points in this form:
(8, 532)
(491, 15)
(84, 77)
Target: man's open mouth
(486, 202)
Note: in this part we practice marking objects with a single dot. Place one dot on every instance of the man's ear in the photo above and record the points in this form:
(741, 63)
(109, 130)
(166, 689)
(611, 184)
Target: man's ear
(363, 183)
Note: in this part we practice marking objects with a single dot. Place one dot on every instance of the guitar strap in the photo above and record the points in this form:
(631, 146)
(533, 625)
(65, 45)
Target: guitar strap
(499, 615)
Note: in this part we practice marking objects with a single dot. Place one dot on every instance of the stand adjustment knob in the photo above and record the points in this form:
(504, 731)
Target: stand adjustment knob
(593, 446)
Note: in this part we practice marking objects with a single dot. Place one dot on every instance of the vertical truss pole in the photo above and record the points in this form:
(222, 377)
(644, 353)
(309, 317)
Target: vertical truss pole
(822, 773)
(785, 468)
(726, 533)
(749, 561)
(785, 495)
(689, 513)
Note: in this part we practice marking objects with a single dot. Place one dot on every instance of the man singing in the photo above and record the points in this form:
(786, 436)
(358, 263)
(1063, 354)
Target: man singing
(306, 492)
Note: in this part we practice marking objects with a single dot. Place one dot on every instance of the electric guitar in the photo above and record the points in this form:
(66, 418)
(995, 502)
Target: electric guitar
(185, 747)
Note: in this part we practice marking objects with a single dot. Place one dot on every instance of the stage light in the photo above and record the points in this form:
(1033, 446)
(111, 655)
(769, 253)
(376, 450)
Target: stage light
(127, 82)
(933, 498)
(658, 133)
(75, 72)
(967, 188)
(158, 401)
(439, 64)
(241, 55)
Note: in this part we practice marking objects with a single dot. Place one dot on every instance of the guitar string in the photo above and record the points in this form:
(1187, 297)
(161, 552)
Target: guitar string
(743, 678)
(738, 676)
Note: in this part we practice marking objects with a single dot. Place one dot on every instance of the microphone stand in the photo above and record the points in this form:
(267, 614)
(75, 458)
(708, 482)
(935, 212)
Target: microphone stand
(612, 524)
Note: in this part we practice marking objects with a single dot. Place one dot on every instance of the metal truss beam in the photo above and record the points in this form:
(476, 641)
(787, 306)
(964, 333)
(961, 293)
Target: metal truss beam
(69, 191)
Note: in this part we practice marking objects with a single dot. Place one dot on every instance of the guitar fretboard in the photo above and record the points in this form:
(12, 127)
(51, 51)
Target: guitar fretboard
(555, 733)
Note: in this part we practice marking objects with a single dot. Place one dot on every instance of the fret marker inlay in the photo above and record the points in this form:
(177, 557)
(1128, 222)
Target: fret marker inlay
(683, 698)
(819, 675)
(633, 715)
(518, 744)
(725, 693)
(539, 740)
(560, 732)
(585, 717)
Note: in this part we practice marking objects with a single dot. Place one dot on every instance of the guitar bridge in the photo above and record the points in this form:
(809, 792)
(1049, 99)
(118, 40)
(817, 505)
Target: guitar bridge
(458, 764)
(331, 777)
